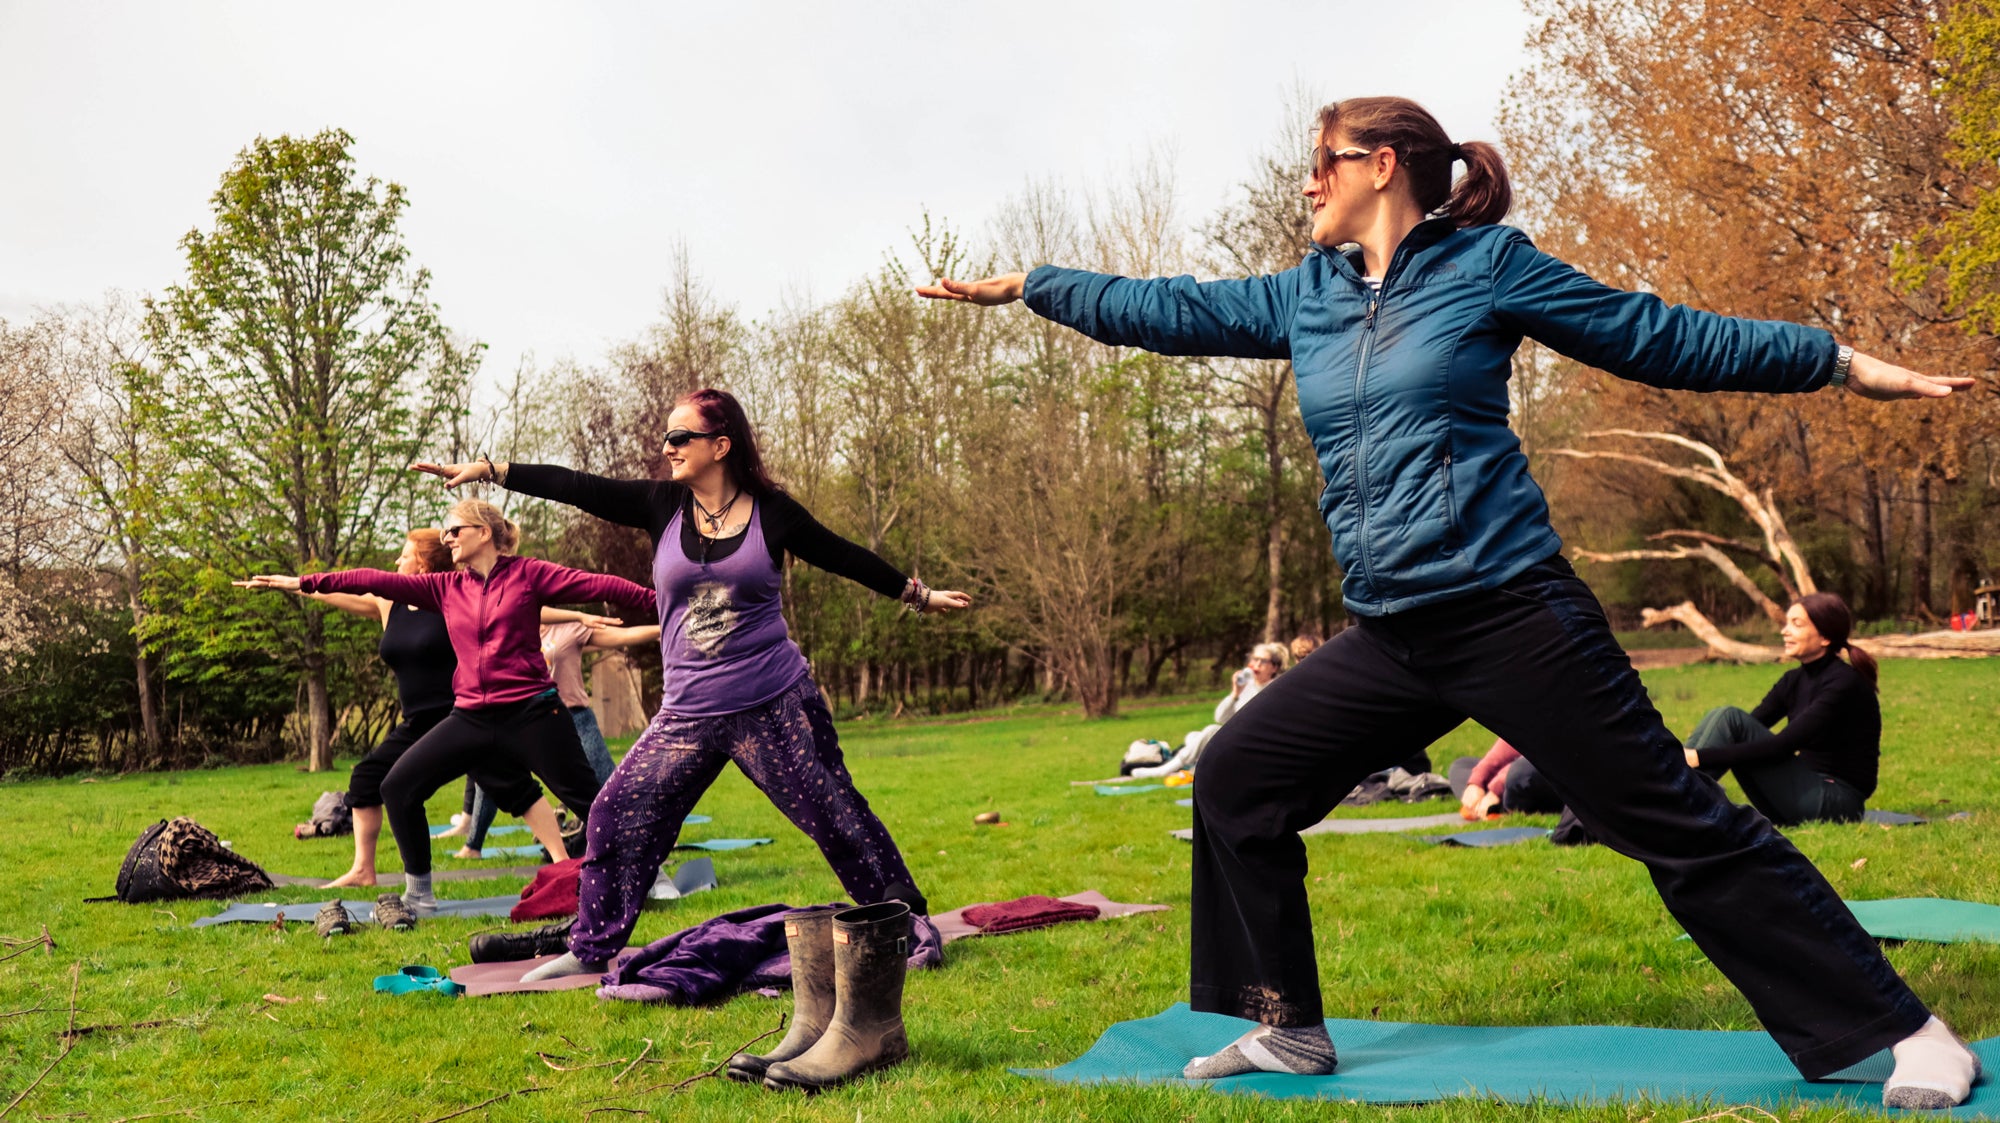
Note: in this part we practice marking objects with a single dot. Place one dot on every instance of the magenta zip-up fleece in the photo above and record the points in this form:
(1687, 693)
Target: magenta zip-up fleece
(494, 621)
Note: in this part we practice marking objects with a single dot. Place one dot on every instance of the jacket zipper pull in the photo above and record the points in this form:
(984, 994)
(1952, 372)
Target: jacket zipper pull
(1368, 321)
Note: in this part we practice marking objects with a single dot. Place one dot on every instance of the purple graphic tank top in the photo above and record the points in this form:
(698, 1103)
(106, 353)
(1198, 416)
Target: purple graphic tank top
(723, 643)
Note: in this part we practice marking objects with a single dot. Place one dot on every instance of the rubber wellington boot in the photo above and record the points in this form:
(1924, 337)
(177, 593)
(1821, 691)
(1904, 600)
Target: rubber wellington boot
(809, 935)
(871, 946)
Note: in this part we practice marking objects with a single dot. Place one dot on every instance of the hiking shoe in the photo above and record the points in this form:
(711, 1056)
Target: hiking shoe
(392, 913)
(332, 920)
(508, 947)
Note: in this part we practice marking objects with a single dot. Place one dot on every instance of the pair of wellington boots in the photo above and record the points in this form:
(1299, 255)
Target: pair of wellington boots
(847, 987)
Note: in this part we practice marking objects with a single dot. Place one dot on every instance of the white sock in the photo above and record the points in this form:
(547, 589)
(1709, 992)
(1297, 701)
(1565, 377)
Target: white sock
(563, 966)
(1934, 1070)
(1301, 1051)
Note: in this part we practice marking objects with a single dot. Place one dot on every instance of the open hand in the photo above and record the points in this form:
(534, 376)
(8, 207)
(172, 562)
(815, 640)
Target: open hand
(269, 581)
(946, 600)
(592, 620)
(1871, 377)
(1004, 289)
(455, 474)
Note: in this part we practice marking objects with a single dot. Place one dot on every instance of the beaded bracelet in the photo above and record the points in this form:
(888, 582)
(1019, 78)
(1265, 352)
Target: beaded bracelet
(916, 595)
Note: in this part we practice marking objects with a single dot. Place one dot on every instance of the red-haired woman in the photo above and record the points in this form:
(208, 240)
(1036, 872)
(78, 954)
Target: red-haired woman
(1822, 765)
(506, 726)
(737, 687)
(1401, 326)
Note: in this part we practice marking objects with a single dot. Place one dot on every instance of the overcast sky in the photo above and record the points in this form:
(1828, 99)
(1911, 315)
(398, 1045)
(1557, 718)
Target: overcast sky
(555, 153)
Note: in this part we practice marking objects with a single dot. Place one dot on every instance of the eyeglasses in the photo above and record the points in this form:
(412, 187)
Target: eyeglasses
(1322, 159)
(1263, 659)
(452, 532)
(679, 438)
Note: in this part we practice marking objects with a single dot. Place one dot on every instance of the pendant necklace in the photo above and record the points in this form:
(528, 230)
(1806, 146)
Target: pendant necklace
(713, 519)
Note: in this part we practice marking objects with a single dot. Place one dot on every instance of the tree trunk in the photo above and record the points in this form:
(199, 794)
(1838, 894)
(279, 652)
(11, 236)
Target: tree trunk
(1881, 595)
(1920, 561)
(319, 704)
(1691, 618)
(149, 703)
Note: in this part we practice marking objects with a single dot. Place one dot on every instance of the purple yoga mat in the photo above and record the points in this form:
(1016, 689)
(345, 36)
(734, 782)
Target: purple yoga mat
(952, 925)
(505, 978)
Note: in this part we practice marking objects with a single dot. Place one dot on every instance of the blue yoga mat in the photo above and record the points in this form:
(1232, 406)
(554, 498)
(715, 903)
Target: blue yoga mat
(723, 844)
(252, 912)
(1892, 818)
(1127, 789)
(529, 851)
(1500, 836)
(438, 829)
(1395, 1062)
(1936, 920)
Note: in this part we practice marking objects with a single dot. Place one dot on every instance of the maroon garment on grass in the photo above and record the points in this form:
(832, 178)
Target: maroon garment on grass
(1023, 913)
(551, 894)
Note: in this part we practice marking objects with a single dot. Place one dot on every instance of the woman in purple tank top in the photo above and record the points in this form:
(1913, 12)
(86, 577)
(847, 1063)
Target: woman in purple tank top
(737, 687)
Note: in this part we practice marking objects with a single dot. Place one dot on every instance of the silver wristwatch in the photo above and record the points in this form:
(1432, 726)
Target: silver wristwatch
(1842, 360)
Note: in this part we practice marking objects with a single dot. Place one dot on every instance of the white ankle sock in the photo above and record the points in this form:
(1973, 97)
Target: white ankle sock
(563, 966)
(1934, 1070)
(1301, 1051)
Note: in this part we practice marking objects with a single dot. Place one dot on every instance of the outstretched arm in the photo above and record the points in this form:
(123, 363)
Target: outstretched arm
(607, 638)
(361, 604)
(1638, 336)
(640, 503)
(572, 616)
(790, 527)
(559, 584)
(421, 590)
(1249, 318)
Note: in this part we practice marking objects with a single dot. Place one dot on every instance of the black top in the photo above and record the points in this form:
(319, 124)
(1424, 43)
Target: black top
(1832, 721)
(417, 648)
(651, 505)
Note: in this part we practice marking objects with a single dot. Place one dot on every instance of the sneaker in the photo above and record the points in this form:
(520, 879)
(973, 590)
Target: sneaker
(392, 913)
(332, 920)
(507, 947)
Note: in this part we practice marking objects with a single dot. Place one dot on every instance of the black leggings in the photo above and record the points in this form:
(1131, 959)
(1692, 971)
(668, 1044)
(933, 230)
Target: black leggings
(498, 746)
(364, 783)
(1535, 662)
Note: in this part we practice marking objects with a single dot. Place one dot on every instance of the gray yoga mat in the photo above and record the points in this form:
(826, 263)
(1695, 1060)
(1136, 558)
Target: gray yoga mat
(393, 879)
(723, 844)
(1362, 826)
(692, 876)
(1392, 1063)
(1892, 818)
(363, 911)
(1127, 789)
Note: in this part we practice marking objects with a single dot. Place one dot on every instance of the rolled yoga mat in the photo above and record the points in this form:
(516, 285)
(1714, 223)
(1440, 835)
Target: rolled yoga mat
(253, 912)
(1399, 1063)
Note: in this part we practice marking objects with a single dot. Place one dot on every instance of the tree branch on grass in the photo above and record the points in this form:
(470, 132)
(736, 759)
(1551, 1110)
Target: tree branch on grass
(486, 1103)
(703, 1075)
(69, 1041)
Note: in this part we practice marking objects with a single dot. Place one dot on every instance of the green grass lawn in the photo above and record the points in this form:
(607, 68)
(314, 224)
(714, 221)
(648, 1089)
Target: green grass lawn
(1407, 931)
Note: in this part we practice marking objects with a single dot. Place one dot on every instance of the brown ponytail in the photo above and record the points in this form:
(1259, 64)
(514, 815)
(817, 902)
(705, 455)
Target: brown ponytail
(506, 535)
(1481, 197)
(1832, 619)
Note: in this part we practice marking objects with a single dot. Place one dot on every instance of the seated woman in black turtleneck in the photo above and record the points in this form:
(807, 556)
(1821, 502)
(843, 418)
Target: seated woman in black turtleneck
(1822, 765)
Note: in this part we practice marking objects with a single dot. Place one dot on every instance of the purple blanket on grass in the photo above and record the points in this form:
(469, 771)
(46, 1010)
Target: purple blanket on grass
(719, 958)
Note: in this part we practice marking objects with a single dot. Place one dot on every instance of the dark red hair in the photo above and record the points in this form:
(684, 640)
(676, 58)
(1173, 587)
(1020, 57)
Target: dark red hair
(1481, 197)
(1833, 621)
(723, 415)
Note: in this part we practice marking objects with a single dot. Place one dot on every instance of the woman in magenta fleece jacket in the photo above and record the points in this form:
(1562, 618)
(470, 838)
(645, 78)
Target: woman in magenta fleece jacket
(506, 721)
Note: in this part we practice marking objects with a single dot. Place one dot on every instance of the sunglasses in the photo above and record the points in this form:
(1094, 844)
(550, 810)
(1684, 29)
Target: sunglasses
(451, 533)
(678, 438)
(1322, 159)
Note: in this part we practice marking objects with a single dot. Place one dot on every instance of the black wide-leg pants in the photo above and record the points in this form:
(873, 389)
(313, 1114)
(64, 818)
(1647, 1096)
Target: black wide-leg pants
(1535, 662)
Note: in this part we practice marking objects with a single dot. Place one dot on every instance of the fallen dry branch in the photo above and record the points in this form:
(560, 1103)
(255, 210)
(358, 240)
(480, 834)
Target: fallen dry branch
(706, 1074)
(1688, 616)
(486, 1103)
(635, 1062)
(183, 1111)
(23, 947)
(109, 1027)
(69, 1043)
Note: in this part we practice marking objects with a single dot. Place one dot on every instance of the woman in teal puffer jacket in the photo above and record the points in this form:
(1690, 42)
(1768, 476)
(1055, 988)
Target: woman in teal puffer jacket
(1402, 340)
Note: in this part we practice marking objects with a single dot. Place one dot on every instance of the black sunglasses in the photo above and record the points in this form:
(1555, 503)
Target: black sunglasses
(678, 438)
(451, 533)
(1322, 159)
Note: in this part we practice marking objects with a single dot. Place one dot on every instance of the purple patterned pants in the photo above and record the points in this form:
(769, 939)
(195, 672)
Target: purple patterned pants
(788, 749)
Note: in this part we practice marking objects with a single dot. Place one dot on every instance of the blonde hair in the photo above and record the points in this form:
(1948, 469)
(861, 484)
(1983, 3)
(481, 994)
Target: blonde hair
(506, 535)
(1277, 653)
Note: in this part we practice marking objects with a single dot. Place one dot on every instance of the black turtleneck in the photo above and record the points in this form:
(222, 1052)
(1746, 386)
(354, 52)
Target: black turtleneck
(1832, 722)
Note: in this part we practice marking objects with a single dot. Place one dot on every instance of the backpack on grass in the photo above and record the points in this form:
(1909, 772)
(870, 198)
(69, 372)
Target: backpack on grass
(181, 858)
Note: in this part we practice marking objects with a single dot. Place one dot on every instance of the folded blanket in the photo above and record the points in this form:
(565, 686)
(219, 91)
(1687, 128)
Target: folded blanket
(1021, 914)
(734, 952)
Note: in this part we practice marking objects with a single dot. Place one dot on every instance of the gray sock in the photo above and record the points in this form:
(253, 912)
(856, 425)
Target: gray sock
(563, 966)
(417, 893)
(1301, 1051)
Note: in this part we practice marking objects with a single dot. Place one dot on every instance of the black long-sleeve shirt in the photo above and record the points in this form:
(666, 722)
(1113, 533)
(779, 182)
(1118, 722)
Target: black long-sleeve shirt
(1832, 721)
(651, 505)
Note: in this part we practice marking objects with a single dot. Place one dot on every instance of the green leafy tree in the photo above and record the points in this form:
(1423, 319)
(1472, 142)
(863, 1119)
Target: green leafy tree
(1967, 250)
(299, 370)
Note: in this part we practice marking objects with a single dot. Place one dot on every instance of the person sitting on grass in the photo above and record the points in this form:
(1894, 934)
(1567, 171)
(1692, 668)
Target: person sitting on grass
(1821, 766)
(1503, 780)
(1267, 661)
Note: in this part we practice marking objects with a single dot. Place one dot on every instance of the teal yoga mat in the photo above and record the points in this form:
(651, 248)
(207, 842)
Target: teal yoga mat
(1394, 1062)
(1932, 919)
(1127, 789)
